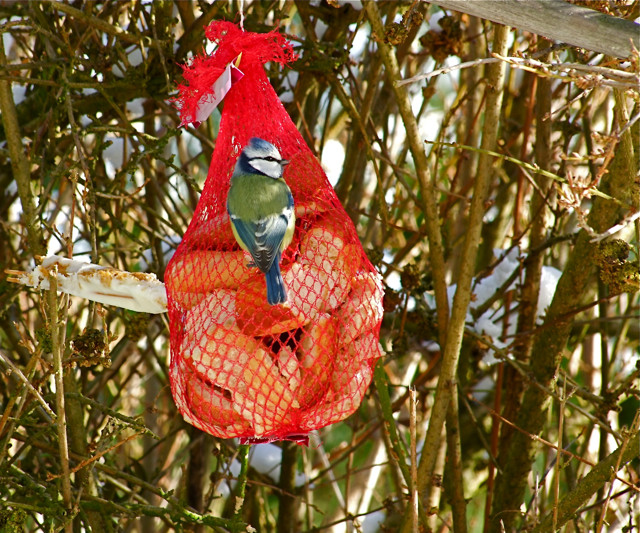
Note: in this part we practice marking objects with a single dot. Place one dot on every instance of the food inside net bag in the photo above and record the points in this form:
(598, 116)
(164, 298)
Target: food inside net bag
(239, 366)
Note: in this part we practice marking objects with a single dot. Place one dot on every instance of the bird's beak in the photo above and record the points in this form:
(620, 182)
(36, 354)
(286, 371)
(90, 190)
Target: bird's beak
(285, 162)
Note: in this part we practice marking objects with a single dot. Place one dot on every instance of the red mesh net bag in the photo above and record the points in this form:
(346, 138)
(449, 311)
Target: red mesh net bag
(239, 366)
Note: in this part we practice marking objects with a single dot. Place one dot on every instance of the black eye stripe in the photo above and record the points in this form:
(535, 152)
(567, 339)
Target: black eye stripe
(269, 158)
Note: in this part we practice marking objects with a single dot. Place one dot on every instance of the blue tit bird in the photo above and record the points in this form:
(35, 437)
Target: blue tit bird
(260, 206)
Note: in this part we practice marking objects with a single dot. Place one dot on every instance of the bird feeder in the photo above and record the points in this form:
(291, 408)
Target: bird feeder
(239, 366)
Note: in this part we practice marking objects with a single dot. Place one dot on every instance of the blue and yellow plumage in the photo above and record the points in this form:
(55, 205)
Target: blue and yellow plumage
(260, 206)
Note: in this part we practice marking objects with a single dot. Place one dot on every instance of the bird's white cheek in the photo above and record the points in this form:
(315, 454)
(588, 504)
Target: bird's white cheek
(270, 168)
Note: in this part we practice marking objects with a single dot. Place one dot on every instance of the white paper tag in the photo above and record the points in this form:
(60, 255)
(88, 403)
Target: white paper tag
(219, 90)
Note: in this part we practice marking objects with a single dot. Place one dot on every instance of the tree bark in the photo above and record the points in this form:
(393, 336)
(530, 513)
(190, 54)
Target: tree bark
(557, 20)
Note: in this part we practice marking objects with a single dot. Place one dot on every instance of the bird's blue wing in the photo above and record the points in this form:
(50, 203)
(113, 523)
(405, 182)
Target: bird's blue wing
(268, 237)
(263, 238)
(245, 230)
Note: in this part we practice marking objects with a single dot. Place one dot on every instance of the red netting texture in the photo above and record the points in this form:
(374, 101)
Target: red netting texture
(239, 366)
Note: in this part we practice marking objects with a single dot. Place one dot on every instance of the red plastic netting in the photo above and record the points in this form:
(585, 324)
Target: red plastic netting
(239, 366)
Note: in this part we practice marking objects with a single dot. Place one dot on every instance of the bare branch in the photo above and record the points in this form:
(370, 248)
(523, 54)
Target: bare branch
(557, 20)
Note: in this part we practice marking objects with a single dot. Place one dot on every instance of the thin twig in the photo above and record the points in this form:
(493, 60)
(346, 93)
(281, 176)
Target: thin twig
(97, 456)
(243, 458)
(545, 442)
(600, 76)
(100, 24)
(455, 466)
(15, 370)
(455, 330)
(414, 461)
(427, 190)
(90, 201)
(600, 474)
(61, 421)
(558, 468)
(380, 380)
(528, 166)
(19, 161)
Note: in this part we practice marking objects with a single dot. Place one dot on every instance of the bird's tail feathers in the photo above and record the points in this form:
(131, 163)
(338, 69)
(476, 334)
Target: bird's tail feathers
(276, 292)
